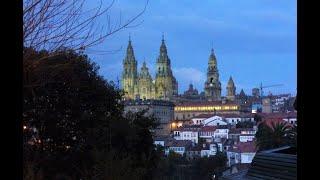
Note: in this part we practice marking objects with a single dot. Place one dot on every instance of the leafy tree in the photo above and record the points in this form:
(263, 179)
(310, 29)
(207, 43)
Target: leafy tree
(274, 136)
(74, 124)
(257, 118)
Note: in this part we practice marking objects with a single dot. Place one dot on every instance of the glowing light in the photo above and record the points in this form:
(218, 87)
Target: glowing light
(173, 124)
(205, 108)
(24, 127)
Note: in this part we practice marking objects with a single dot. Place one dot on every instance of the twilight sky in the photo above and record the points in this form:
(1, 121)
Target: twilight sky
(254, 41)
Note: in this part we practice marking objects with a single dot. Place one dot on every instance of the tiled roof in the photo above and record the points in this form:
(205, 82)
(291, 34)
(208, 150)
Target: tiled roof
(203, 116)
(244, 147)
(208, 128)
(179, 143)
(278, 115)
(189, 128)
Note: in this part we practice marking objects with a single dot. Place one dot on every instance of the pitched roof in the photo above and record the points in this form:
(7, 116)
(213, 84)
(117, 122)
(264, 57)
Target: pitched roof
(179, 143)
(189, 128)
(244, 147)
(203, 116)
(273, 165)
(208, 128)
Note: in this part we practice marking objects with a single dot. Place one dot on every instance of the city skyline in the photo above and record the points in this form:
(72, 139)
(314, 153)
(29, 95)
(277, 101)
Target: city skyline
(241, 34)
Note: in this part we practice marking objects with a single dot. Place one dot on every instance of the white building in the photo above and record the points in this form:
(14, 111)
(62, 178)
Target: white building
(199, 120)
(246, 138)
(241, 153)
(178, 146)
(208, 150)
(214, 121)
(187, 133)
(221, 132)
(207, 133)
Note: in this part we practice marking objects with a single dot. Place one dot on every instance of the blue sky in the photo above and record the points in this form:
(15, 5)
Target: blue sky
(254, 41)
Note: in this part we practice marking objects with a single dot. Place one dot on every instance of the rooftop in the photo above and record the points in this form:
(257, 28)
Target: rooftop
(179, 143)
(244, 147)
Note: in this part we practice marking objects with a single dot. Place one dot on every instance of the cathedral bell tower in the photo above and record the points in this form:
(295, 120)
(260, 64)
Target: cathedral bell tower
(231, 90)
(129, 75)
(166, 85)
(212, 85)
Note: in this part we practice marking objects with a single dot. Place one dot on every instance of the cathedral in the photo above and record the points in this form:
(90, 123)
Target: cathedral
(140, 85)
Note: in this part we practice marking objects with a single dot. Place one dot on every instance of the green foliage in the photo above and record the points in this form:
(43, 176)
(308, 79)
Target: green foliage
(81, 130)
(279, 134)
(176, 167)
(257, 118)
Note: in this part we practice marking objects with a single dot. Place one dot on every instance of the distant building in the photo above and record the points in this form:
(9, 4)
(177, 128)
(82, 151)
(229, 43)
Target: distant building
(256, 92)
(221, 132)
(214, 121)
(188, 110)
(178, 146)
(187, 133)
(212, 85)
(191, 92)
(209, 150)
(207, 133)
(141, 85)
(231, 90)
(162, 110)
(194, 152)
(266, 105)
(241, 153)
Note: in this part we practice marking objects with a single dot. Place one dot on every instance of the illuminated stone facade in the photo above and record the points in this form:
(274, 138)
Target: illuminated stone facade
(212, 87)
(186, 111)
(142, 86)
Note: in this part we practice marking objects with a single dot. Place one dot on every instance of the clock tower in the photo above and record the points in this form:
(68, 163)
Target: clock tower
(212, 86)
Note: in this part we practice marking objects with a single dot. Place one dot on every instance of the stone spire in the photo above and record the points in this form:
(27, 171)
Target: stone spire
(144, 73)
(212, 58)
(231, 90)
(130, 53)
(242, 94)
(230, 82)
(129, 74)
(163, 48)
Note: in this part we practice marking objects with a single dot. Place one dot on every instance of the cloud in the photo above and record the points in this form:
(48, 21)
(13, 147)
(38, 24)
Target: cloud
(187, 75)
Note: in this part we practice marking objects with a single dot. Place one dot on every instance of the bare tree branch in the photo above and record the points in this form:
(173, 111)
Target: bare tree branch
(53, 24)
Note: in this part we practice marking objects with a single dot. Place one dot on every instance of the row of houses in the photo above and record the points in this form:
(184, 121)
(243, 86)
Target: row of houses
(206, 135)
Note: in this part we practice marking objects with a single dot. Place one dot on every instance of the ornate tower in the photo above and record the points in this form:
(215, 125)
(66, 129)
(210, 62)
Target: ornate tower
(166, 84)
(129, 75)
(212, 86)
(231, 90)
(145, 86)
